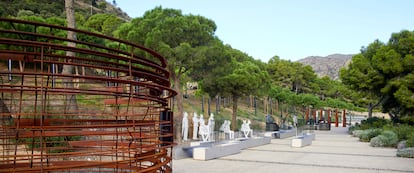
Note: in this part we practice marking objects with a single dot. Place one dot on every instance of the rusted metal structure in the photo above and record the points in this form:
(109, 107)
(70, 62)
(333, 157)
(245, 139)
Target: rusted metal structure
(111, 116)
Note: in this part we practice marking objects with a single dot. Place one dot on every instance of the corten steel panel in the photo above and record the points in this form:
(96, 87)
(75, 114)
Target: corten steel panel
(111, 116)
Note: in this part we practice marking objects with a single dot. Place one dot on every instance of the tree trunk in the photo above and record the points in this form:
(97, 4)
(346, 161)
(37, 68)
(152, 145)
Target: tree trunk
(209, 106)
(179, 115)
(234, 116)
(217, 104)
(393, 117)
(255, 105)
(202, 104)
(370, 108)
(270, 106)
(281, 110)
(277, 106)
(71, 104)
(251, 99)
(21, 66)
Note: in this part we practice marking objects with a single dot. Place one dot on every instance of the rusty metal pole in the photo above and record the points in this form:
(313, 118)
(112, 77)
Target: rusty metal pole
(314, 115)
(336, 117)
(329, 116)
(321, 115)
(344, 118)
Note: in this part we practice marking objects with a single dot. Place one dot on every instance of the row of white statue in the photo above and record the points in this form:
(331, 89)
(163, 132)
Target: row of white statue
(206, 131)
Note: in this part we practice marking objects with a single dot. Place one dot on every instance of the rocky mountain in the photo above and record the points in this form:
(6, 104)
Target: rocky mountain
(327, 66)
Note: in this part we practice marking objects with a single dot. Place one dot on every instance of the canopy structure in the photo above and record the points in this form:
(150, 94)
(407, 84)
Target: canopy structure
(103, 108)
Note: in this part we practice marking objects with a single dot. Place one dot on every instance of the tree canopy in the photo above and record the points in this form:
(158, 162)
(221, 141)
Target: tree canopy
(104, 23)
(245, 79)
(292, 75)
(182, 39)
(384, 72)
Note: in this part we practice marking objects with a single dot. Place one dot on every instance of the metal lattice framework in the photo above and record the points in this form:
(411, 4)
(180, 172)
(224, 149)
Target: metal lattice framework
(111, 116)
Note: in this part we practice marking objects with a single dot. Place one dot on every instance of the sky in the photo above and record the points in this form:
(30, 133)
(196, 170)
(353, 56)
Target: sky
(293, 29)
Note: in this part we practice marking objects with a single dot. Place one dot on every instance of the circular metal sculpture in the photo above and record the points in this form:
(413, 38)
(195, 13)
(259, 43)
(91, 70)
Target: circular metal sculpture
(102, 108)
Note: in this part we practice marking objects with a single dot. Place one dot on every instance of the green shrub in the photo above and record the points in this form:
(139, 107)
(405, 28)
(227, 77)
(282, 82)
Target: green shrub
(391, 136)
(373, 122)
(366, 135)
(385, 139)
(406, 152)
(357, 133)
(410, 140)
(378, 141)
(409, 120)
(352, 129)
(402, 130)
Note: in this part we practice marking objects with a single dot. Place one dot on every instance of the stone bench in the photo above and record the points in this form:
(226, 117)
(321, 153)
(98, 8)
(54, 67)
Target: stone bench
(311, 135)
(281, 134)
(304, 140)
(201, 144)
(227, 148)
(287, 133)
(253, 142)
(272, 134)
(181, 152)
(208, 153)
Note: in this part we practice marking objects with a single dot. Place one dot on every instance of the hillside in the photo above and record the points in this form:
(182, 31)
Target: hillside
(327, 66)
(48, 8)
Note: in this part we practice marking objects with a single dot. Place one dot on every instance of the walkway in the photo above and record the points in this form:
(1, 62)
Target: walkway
(333, 151)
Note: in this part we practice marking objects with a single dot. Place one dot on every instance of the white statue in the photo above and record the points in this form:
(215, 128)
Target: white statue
(228, 130)
(184, 129)
(201, 119)
(225, 127)
(245, 128)
(222, 127)
(195, 126)
(211, 126)
(204, 129)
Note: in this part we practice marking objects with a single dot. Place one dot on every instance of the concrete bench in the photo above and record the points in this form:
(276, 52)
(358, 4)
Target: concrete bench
(253, 142)
(272, 134)
(181, 152)
(303, 140)
(210, 150)
(311, 135)
(228, 148)
(287, 133)
(281, 134)
(207, 153)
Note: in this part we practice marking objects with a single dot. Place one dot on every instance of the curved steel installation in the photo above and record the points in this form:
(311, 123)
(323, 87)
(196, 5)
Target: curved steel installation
(105, 109)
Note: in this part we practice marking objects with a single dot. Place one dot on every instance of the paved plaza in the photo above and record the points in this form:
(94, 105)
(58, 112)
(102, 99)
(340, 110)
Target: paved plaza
(333, 151)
